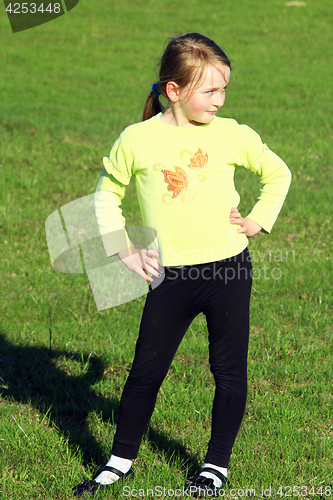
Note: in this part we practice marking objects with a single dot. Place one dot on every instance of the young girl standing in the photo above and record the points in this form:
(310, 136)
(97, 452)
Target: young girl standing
(183, 159)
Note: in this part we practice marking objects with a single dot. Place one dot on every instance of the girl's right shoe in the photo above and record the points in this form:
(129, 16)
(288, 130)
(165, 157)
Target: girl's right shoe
(89, 487)
(200, 486)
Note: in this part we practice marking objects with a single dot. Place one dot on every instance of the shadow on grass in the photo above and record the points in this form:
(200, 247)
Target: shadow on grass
(30, 375)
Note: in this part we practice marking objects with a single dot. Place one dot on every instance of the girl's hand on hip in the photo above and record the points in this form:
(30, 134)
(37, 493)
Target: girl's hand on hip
(141, 261)
(247, 226)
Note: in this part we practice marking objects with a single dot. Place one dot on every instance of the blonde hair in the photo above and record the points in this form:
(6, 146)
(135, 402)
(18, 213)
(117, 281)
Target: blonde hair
(184, 62)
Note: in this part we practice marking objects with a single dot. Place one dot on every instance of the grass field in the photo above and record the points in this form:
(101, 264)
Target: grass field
(67, 89)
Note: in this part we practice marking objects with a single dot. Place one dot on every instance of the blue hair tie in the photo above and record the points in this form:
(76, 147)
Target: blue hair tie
(154, 89)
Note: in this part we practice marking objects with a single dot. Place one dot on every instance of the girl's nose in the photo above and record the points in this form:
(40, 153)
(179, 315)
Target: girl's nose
(219, 101)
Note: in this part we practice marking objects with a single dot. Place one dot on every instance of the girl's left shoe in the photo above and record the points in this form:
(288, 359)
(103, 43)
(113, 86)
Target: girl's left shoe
(200, 486)
(89, 487)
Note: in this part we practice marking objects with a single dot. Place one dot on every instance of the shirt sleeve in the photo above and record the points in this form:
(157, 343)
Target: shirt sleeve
(108, 196)
(274, 174)
(110, 221)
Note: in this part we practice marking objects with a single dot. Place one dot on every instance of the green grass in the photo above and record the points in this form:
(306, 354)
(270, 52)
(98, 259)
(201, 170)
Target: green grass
(68, 88)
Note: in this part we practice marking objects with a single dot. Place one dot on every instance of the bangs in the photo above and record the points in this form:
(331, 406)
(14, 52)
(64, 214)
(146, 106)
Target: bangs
(197, 73)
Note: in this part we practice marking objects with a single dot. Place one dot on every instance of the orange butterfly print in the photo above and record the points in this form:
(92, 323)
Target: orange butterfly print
(199, 160)
(177, 181)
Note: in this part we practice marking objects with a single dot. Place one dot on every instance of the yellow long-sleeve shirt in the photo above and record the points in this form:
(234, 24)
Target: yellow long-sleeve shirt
(185, 186)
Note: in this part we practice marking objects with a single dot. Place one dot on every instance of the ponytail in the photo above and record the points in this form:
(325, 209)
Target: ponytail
(152, 106)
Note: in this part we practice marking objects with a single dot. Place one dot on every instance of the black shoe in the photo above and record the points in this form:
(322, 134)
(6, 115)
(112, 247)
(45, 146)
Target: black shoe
(90, 486)
(200, 486)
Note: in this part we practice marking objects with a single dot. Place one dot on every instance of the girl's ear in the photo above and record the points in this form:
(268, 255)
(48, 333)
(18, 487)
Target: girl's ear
(172, 91)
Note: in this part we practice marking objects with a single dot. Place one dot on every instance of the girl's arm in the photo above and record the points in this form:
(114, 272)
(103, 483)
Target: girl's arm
(111, 224)
(275, 178)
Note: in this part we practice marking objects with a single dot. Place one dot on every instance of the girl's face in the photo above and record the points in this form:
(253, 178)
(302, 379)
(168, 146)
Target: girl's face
(201, 105)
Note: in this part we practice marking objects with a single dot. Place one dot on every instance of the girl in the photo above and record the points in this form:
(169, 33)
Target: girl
(183, 159)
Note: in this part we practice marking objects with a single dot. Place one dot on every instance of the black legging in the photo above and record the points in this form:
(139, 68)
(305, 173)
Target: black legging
(221, 290)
